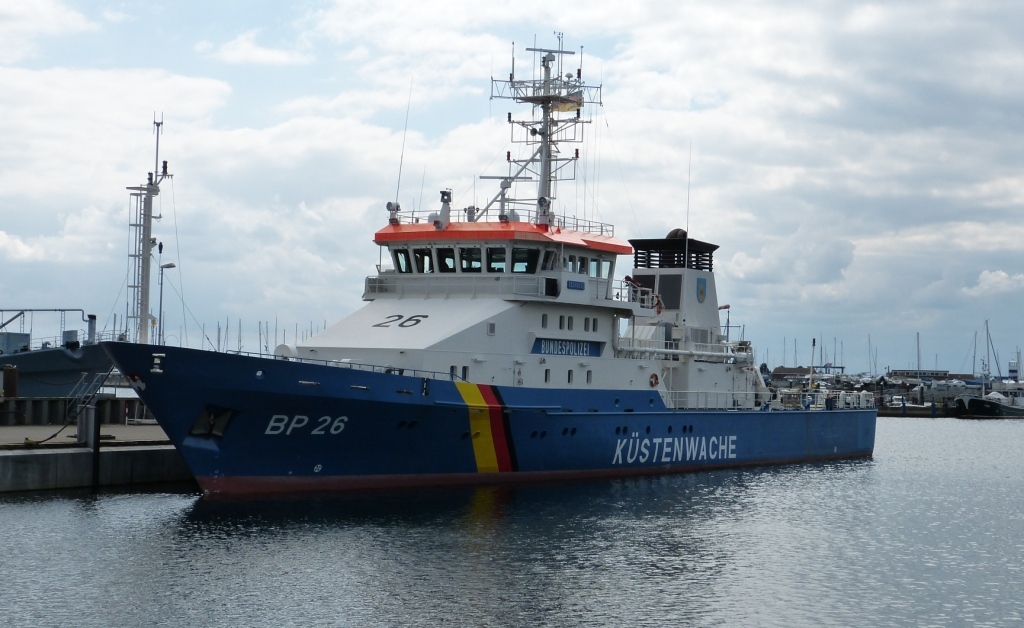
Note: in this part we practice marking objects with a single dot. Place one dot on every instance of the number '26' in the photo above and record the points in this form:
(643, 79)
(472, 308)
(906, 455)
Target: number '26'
(410, 321)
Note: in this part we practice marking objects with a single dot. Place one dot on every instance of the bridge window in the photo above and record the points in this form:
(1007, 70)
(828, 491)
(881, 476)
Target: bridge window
(424, 260)
(594, 326)
(525, 260)
(586, 324)
(561, 321)
(496, 259)
(469, 259)
(583, 266)
(543, 321)
(570, 323)
(446, 260)
(403, 263)
(570, 376)
(550, 260)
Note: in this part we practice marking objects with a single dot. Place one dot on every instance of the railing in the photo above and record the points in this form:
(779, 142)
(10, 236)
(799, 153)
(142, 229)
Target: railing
(369, 368)
(823, 400)
(443, 284)
(52, 342)
(711, 400)
(670, 350)
(632, 293)
(786, 400)
(517, 211)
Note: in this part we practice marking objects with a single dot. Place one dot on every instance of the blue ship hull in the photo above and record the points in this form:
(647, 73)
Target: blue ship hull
(257, 425)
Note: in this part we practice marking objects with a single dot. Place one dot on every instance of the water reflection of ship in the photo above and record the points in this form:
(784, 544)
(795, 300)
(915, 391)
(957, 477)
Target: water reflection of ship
(489, 552)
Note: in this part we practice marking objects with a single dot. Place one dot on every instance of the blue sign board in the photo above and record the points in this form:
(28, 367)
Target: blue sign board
(575, 348)
(575, 285)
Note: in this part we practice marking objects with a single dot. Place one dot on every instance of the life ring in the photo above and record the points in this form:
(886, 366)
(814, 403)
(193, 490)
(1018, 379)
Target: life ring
(654, 380)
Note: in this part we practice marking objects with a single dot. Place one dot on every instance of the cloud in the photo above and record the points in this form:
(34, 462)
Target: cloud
(244, 50)
(13, 247)
(994, 282)
(801, 259)
(83, 128)
(115, 16)
(860, 165)
(22, 23)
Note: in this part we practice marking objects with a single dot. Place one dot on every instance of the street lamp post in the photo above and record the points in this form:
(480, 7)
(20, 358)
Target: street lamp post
(163, 267)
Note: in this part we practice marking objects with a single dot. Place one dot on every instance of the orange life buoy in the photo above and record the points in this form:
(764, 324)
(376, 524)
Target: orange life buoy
(654, 380)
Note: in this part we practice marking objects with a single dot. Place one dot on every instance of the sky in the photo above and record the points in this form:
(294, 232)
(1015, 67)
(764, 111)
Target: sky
(860, 165)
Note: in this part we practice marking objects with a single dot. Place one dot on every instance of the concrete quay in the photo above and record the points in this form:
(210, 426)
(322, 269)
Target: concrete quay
(129, 455)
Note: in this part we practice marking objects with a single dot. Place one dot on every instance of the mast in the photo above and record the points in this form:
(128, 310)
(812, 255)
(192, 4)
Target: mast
(552, 94)
(141, 256)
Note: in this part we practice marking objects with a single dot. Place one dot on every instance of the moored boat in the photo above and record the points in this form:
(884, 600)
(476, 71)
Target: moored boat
(993, 405)
(49, 369)
(497, 346)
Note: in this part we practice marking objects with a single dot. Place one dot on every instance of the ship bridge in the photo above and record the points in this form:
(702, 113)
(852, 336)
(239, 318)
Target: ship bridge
(570, 260)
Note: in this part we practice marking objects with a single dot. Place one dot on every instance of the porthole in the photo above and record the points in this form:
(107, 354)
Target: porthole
(572, 432)
(565, 431)
(533, 434)
(648, 429)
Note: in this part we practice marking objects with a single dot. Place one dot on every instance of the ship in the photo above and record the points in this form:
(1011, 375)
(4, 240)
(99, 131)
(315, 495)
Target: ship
(992, 406)
(497, 345)
(52, 368)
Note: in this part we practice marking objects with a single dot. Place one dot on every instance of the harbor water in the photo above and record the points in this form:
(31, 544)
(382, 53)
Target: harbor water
(928, 532)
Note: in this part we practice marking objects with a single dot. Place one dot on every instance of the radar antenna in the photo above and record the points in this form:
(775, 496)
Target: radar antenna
(553, 95)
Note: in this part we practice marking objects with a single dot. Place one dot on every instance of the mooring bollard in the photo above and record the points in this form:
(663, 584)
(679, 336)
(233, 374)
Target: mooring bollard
(92, 440)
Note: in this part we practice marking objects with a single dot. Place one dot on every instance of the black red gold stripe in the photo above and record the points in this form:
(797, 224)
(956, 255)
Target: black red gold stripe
(487, 428)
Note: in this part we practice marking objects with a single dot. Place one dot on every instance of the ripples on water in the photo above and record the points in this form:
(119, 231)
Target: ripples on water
(929, 532)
